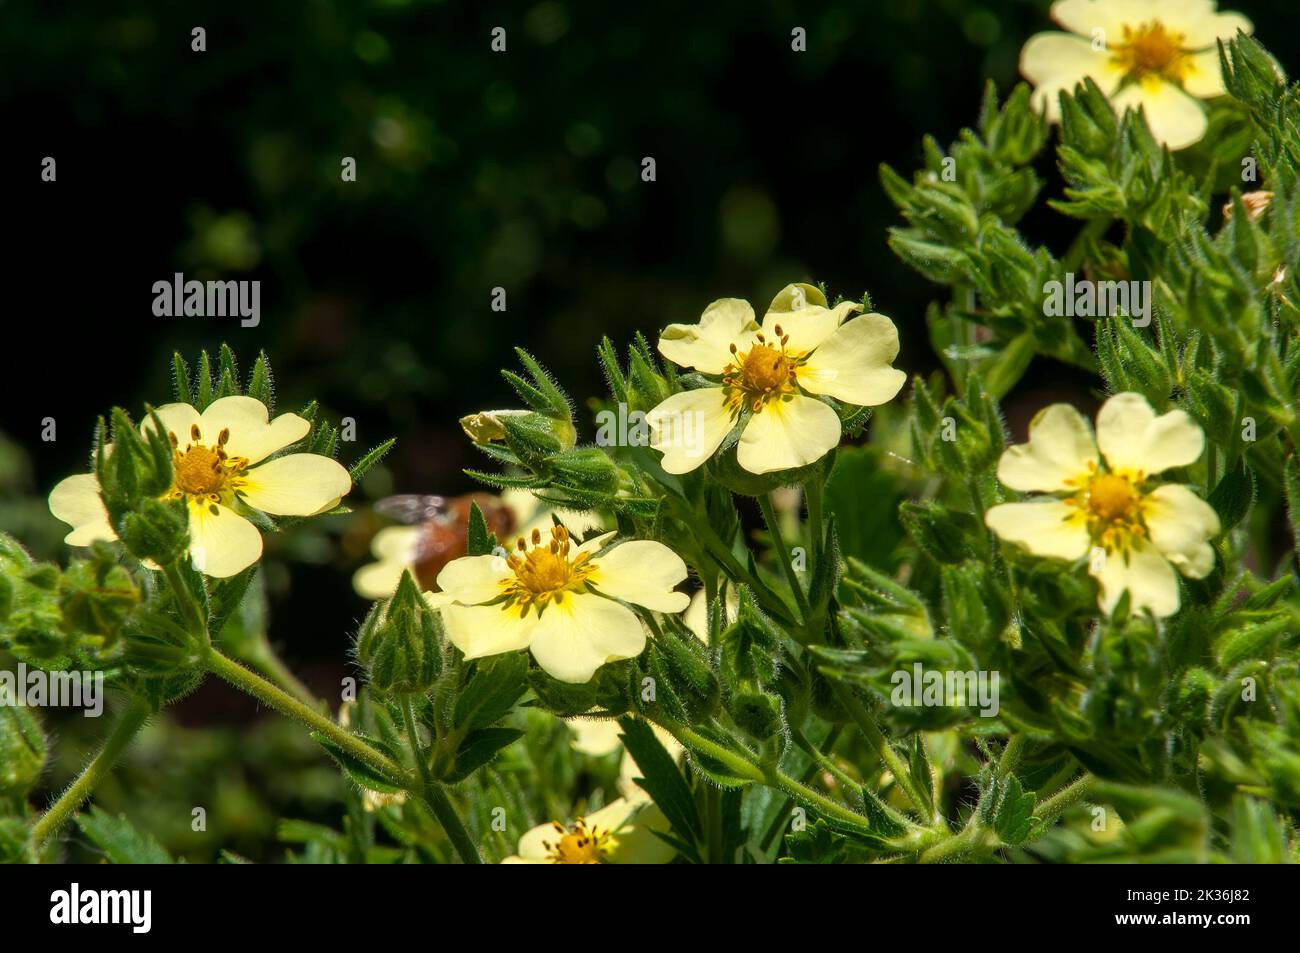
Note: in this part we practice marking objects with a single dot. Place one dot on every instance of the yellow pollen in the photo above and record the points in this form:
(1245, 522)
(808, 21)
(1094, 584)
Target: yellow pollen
(765, 368)
(1152, 50)
(1111, 504)
(765, 371)
(543, 572)
(1112, 498)
(199, 471)
(578, 845)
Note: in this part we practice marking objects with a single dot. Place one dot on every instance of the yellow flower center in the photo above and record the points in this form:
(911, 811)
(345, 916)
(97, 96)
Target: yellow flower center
(765, 371)
(1111, 503)
(543, 572)
(578, 844)
(1152, 50)
(203, 472)
(198, 471)
(1112, 497)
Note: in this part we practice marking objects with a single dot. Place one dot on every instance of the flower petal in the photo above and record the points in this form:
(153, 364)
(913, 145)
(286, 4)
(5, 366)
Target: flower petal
(473, 580)
(1181, 524)
(631, 824)
(480, 631)
(1059, 451)
(788, 432)
(576, 637)
(1111, 16)
(396, 543)
(251, 436)
(1198, 21)
(1176, 119)
(852, 365)
(1133, 438)
(222, 543)
(76, 501)
(1045, 528)
(706, 346)
(688, 427)
(1058, 62)
(805, 328)
(299, 484)
(177, 420)
(1148, 577)
(532, 846)
(1203, 77)
(378, 580)
(595, 737)
(643, 572)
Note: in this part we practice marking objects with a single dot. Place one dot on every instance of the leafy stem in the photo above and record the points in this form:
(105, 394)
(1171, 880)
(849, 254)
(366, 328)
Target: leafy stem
(432, 793)
(885, 751)
(783, 556)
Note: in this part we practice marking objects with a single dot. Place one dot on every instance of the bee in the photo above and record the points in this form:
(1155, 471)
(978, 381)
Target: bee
(443, 523)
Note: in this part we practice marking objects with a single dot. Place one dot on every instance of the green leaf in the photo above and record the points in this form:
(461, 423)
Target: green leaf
(479, 748)
(364, 465)
(1009, 809)
(358, 770)
(862, 496)
(480, 538)
(492, 691)
(119, 839)
(1234, 495)
(660, 778)
(261, 386)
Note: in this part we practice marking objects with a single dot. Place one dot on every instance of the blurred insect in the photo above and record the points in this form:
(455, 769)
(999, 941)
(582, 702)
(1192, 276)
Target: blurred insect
(443, 523)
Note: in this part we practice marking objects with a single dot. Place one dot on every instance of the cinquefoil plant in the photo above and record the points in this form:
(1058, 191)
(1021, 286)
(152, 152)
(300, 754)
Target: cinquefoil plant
(940, 645)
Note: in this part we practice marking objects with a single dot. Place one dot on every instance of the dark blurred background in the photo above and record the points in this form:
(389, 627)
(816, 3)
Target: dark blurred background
(475, 170)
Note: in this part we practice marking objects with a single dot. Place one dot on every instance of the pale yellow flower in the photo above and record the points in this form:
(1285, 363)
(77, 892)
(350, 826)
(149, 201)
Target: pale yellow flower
(766, 376)
(1104, 503)
(400, 548)
(562, 602)
(220, 469)
(1157, 55)
(621, 832)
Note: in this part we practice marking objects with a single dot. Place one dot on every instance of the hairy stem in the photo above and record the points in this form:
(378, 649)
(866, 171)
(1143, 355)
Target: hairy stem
(885, 751)
(434, 796)
(128, 724)
(277, 698)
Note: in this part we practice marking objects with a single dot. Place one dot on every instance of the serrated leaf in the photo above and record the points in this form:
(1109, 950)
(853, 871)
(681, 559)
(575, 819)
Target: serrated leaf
(119, 839)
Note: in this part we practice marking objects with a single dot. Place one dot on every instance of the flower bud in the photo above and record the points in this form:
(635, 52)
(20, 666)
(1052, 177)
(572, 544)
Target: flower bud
(756, 712)
(400, 642)
(488, 426)
(682, 665)
(96, 595)
(588, 469)
(156, 530)
(138, 469)
(1256, 204)
(16, 842)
